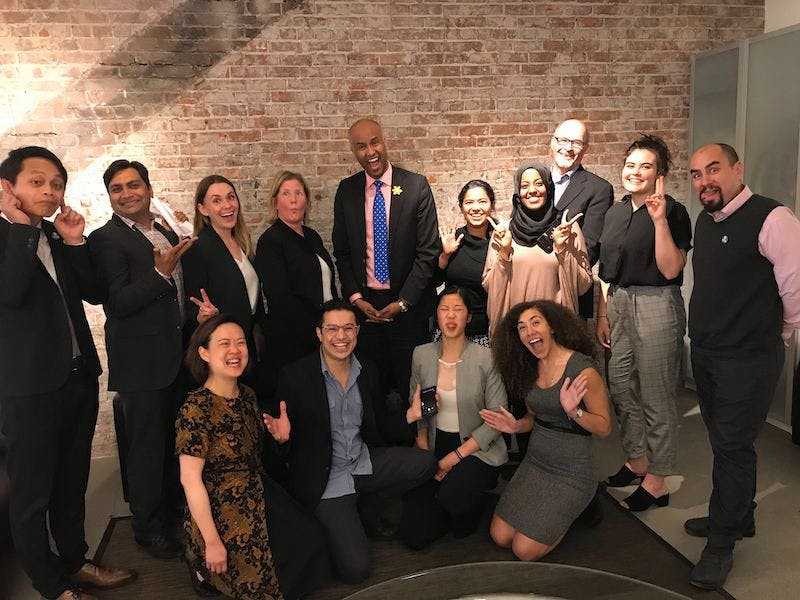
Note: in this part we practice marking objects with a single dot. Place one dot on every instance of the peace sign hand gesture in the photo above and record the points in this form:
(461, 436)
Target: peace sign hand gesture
(501, 237)
(206, 309)
(279, 428)
(656, 203)
(563, 233)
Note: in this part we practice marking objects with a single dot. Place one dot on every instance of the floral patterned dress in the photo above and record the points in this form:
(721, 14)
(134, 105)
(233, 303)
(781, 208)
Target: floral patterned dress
(226, 433)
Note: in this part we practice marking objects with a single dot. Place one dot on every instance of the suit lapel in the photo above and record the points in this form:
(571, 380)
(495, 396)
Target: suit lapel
(574, 188)
(53, 240)
(358, 206)
(136, 235)
(320, 394)
(395, 210)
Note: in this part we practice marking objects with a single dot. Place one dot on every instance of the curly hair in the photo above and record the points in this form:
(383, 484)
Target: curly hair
(518, 367)
(657, 146)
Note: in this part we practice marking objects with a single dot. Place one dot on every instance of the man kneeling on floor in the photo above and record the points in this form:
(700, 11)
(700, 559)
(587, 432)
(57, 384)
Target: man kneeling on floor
(328, 431)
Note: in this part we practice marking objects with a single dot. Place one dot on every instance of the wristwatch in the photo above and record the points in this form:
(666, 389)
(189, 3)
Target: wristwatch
(403, 305)
(578, 415)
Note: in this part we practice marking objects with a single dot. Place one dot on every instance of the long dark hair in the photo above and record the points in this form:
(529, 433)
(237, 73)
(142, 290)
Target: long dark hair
(518, 367)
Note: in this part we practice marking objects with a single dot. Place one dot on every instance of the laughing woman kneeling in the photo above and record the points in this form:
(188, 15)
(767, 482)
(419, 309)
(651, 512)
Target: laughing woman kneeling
(543, 354)
(217, 441)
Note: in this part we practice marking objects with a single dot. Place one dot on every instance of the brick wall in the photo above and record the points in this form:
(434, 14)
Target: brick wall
(246, 88)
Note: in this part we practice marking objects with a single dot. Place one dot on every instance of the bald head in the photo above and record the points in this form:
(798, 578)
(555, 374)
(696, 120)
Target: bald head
(369, 147)
(568, 145)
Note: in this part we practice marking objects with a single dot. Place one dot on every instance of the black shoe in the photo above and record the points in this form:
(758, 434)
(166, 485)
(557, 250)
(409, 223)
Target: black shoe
(160, 547)
(382, 530)
(712, 570)
(592, 515)
(201, 587)
(699, 528)
(623, 478)
(641, 500)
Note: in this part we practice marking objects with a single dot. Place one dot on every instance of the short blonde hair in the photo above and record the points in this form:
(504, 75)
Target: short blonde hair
(280, 179)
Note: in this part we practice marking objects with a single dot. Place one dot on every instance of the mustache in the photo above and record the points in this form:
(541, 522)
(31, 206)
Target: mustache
(710, 188)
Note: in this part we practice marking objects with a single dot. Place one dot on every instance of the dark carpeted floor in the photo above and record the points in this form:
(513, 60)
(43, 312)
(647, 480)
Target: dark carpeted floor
(620, 544)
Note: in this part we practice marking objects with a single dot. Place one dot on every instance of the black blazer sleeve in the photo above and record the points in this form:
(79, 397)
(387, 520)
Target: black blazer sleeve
(126, 295)
(18, 263)
(342, 244)
(428, 247)
(600, 200)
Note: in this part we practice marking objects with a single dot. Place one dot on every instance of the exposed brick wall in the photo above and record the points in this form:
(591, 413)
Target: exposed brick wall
(246, 88)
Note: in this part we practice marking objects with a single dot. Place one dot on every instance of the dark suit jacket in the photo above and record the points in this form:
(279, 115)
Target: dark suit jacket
(414, 245)
(208, 264)
(593, 196)
(291, 278)
(35, 341)
(309, 449)
(144, 337)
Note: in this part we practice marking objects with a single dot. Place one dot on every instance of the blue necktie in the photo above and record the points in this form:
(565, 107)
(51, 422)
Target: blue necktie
(380, 235)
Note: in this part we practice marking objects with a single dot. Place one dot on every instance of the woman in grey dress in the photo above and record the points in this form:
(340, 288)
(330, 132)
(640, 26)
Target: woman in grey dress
(544, 355)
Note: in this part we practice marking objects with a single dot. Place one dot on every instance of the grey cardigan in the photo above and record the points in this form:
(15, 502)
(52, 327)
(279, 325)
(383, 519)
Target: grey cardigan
(478, 386)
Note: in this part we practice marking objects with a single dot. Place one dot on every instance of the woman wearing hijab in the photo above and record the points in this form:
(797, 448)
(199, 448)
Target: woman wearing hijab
(534, 257)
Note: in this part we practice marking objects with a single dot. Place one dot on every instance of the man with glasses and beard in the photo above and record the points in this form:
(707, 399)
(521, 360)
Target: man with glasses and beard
(744, 307)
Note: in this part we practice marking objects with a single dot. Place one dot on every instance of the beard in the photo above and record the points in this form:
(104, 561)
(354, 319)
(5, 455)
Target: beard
(711, 206)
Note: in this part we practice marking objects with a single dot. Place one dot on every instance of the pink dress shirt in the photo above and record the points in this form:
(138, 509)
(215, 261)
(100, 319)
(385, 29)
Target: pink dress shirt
(779, 243)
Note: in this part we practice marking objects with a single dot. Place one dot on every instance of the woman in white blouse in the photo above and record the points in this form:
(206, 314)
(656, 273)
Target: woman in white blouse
(218, 273)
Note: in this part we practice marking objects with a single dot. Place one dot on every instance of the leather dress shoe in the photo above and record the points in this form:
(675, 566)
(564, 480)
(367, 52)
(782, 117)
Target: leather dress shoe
(699, 528)
(160, 547)
(103, 578)
(712, 569)
(75, 594)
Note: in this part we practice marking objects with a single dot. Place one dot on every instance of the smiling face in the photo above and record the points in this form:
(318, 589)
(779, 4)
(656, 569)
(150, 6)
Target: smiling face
(532, 190)
(338, 334)
(290, 203)
(568, 145)
(369, 148)
(221, 206)
(640, 171)
(535, 333)
(39, 188)
(716, 180)
(226, 353)
(130, 195)
(452, 315)
(476, 207)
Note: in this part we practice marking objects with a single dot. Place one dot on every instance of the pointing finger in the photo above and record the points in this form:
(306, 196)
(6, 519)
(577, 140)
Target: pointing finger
(493, 223)
(459, 238)
(195, 301)
(204, 295)
(660, 185)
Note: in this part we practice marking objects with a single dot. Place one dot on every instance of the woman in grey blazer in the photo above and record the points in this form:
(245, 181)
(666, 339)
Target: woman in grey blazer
(469, 451)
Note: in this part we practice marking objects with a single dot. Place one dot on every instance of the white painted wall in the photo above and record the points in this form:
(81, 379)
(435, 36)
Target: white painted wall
(781, 13)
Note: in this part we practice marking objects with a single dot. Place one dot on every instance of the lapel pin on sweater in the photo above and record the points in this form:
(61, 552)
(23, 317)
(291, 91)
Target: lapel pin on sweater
(724, 239)
(54, 236)
(397, 190)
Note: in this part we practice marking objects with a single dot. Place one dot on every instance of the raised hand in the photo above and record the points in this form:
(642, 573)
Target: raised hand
(501, 420)
(11, 206)
(656, 203)
(166, 261)
(450, 242)
(70, 225)
(563, 235)
(501, 237)
(205, 308)
(279, 428)
(572, 392)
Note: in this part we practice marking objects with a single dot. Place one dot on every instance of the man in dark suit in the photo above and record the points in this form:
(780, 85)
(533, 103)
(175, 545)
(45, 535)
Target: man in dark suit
(579, 191)
(138, 261)
(386, 245)
(333, 439)
(48, 374)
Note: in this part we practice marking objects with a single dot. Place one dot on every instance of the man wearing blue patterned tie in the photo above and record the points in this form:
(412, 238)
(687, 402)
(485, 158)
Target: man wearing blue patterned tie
(386, 244)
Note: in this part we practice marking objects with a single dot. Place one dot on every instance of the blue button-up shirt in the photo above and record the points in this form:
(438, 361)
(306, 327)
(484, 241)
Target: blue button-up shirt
(350, 453)
(560, 183)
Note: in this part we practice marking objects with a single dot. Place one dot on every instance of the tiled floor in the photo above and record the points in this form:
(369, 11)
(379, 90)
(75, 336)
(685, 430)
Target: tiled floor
(767, 567)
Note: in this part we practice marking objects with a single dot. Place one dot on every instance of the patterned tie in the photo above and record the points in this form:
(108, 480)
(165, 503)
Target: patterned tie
(380, 235)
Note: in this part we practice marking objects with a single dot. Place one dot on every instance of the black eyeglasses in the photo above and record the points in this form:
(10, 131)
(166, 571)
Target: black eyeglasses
(568, 143)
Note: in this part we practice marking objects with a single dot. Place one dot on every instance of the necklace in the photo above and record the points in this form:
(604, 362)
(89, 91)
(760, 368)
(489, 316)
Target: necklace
(450, 364)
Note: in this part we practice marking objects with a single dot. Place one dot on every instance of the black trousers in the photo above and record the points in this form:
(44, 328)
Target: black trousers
(49, 453)
(394, 471)
(390, 346)
(454, 504)
(152, 468)
(735, 395)
(297, 541)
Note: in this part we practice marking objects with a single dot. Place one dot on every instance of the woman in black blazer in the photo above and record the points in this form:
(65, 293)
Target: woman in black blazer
(297, 276)
(218, 274)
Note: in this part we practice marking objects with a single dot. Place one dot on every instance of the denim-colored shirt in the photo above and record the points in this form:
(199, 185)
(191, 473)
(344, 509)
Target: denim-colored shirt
(560, 183)
(350, 454)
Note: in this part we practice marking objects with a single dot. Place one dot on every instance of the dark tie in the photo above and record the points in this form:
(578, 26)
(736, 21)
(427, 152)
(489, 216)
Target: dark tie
(380, 235)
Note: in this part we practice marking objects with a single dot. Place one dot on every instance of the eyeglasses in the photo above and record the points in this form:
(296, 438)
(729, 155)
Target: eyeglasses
(568, 143)
(348, 329)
